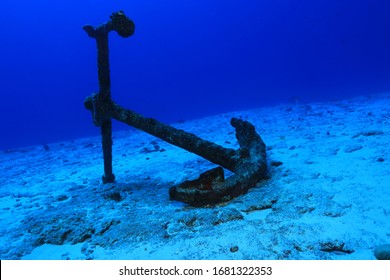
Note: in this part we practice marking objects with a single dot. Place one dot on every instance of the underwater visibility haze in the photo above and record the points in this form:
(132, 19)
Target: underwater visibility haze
(187, 59)
(295, 93)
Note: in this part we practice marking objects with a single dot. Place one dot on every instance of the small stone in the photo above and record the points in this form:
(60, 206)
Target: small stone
(382, 252)
(61, 197)
(353, 148)
(234, 249)
(380, 159)
(335, 246)
(116, 196)
(276, 163)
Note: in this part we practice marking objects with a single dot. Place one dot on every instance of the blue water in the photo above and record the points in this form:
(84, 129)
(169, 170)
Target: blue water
(187, 59)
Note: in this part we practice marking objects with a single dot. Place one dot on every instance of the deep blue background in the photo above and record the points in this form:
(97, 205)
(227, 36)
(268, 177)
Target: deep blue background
(187, 59)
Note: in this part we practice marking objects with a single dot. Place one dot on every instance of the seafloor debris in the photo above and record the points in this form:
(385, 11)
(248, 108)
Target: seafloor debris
(382, 252)
(248, 162)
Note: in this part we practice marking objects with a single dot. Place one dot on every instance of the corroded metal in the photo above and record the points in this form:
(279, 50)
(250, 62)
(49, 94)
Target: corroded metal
(248, 163)
(125, 27)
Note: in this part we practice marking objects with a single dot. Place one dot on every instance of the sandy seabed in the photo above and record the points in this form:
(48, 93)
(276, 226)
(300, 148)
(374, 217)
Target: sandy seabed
(327, 196)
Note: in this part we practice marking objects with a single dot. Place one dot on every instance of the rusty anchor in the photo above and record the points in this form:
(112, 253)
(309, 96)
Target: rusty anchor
(248, 162)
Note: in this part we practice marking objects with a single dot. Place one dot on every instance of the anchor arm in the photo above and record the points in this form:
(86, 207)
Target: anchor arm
(248, 163)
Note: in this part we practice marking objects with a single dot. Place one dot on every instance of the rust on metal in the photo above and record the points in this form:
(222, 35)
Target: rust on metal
(248, 162)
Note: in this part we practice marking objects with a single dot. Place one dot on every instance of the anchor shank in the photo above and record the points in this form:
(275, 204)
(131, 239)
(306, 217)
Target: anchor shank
(214, 153)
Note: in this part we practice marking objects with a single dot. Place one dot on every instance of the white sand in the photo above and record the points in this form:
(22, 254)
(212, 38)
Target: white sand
(332, 192)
